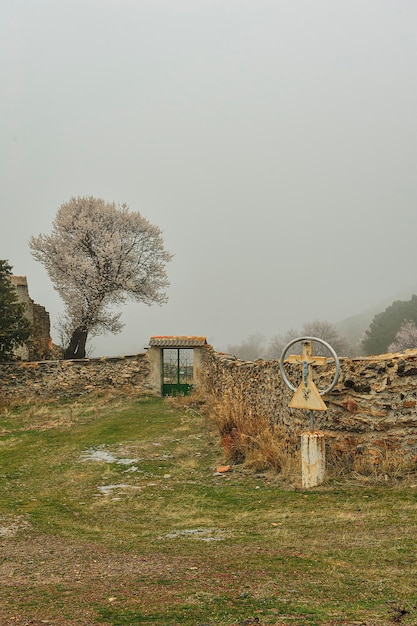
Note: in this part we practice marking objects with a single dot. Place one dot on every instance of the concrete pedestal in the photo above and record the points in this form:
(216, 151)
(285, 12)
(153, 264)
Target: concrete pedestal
(313, 459)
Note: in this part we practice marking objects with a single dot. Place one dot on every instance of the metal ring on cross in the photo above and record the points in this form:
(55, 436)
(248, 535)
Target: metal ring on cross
(326, 345)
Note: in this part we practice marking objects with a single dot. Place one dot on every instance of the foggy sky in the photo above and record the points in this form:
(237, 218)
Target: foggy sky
(273, 141)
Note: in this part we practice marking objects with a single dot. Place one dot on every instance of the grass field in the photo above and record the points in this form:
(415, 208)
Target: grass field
(112, 513)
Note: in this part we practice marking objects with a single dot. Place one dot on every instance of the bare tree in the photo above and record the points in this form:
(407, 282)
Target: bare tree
(249, 349)
(278, 343)
(317, 328)
(100, 255)
(329, 333)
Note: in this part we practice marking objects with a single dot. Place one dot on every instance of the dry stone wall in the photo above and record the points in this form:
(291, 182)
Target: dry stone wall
(372, 407)
(54, 379)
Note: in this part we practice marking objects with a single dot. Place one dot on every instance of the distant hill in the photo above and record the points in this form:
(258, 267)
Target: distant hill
(353, 327)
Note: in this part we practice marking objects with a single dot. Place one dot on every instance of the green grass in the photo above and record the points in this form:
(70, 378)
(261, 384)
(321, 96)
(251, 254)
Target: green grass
(87, 543)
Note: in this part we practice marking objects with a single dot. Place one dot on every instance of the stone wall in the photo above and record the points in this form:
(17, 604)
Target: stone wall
(372, 407)
(55, 379)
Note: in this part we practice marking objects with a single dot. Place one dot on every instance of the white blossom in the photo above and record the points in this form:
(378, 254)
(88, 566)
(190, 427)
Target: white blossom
(405, 339)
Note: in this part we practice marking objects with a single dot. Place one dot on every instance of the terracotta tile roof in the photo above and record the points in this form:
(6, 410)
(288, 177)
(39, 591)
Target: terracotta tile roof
(177, 341)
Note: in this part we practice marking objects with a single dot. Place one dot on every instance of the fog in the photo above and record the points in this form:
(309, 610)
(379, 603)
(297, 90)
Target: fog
(273, 142)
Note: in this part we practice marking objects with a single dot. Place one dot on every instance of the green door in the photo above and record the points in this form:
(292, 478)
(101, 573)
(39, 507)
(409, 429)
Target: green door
(177, 371)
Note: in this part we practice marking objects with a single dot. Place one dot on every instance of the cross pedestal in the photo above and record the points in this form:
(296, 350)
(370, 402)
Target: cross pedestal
(313, 459)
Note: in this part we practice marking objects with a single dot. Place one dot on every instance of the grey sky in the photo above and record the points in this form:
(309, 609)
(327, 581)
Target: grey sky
(274, 142)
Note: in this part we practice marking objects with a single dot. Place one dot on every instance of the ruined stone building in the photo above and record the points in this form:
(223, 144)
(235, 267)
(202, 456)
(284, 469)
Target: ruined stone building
(39, 345)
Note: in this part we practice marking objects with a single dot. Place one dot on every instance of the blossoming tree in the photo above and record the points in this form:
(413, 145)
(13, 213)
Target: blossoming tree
(98, 256)
(405, 338)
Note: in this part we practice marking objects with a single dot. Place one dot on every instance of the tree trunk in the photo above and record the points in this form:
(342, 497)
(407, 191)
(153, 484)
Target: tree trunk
(76, 347)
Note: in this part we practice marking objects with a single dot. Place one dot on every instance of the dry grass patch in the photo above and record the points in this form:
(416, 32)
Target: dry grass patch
(379, 465)
(252, 441)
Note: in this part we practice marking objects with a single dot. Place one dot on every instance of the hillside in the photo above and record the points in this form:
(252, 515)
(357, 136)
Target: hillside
(353, 327)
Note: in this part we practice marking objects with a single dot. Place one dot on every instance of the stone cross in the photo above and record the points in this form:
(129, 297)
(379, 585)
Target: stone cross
(307, 396)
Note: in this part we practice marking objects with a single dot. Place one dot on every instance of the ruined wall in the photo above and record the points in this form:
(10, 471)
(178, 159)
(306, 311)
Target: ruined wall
(54, 379)
(39, 345)
(372, 407)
